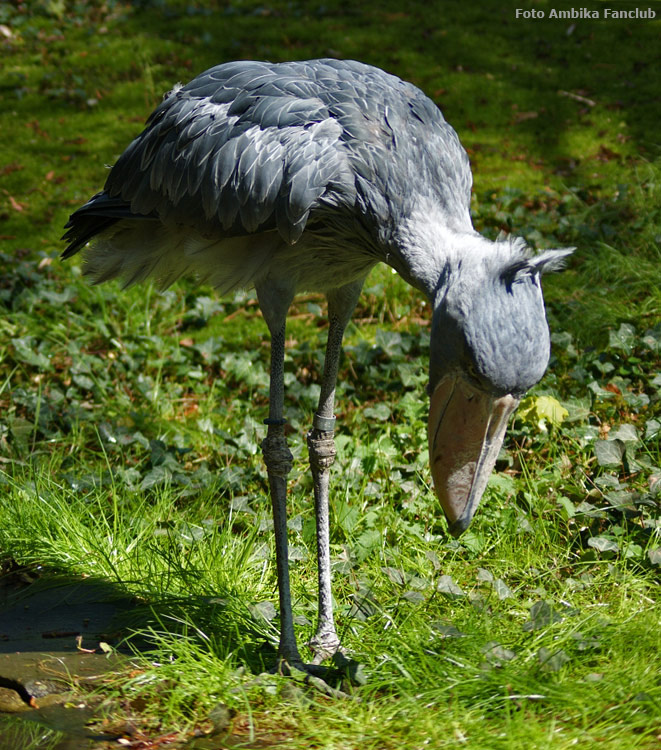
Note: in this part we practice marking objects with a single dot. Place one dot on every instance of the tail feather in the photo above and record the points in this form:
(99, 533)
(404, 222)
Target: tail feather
(135, 247)
(94, 218)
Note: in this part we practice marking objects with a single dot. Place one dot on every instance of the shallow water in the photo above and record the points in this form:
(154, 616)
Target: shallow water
(51, 628)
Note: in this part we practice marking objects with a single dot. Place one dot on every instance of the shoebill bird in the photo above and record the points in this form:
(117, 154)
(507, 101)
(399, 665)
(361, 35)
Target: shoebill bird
(302, 176)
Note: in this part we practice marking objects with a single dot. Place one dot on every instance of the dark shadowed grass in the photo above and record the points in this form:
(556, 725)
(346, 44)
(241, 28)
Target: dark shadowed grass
(130, 420)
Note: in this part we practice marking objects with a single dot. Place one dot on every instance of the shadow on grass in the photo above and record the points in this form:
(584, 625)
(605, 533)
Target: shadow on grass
(531, 79)
(511, 82)
(66, 640)
(91, 626)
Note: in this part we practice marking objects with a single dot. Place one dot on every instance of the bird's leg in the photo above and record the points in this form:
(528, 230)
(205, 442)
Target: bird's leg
(278, 460)
(321, 446)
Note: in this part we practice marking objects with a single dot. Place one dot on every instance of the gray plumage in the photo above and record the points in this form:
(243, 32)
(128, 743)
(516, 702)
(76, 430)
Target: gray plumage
(302, 176)
(338, 151)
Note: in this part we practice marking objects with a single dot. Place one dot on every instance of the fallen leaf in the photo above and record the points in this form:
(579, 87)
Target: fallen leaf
(578, 98)
(9, 168)
(34, 125)
(606, 154)
(16, 205)
(523, 116)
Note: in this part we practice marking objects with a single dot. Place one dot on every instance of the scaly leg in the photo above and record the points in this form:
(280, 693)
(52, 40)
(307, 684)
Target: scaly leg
(321, 446)
(278, 459)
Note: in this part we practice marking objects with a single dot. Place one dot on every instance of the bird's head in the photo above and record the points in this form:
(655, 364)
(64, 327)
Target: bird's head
(489, 344)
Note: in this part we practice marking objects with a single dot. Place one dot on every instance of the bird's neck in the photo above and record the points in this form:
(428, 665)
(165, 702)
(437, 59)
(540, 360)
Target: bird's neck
(432, 249)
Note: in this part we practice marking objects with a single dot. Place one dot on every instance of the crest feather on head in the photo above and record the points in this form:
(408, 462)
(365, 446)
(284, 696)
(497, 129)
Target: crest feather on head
(524, 262)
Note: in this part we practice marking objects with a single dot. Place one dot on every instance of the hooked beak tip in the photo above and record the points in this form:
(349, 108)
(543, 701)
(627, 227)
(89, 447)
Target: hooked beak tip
(457, 528)
(466, 431)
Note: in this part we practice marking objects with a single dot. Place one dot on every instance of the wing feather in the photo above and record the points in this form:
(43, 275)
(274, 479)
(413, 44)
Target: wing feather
(250, 146)
(242, 140)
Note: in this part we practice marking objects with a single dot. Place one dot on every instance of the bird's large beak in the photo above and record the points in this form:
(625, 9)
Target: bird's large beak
(466, 430)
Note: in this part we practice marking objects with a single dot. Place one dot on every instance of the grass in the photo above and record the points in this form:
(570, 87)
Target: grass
(130, 421)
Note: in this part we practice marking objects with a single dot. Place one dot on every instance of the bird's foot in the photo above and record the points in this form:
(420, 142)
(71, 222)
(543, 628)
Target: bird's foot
(336, 680)
(320, 679)
(315, 676)
(326, 645)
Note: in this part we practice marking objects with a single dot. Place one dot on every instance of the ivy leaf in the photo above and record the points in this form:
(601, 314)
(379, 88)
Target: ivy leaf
(655, 556)
(496, 654)
(448, 587)
(447, 630)
(652, 339)
(389, 341)
(609, 452)
(366, 542)
(586, 642)
(346, 516)
(623, 339)
(568, 507)
(158, 475)
(601, 393)
(550, 409)
(380, 412)
(297, 552)
(502, 589)
(603, 544)
(627, 433)
(542, 615)
(415, 597)
(84, 382)
(401, 578)
(484, 575)
(263, 611)
(652, 429)
(550, 661)
(190, 532)
(26, 351)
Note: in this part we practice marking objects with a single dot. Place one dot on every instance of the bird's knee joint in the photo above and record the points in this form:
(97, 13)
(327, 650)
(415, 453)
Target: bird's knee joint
(321, 448)
(277, 456)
